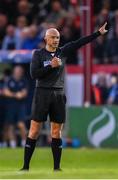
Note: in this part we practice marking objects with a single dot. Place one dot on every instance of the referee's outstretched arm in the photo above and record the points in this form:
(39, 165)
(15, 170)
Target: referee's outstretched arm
(74, 45)
(38, 71)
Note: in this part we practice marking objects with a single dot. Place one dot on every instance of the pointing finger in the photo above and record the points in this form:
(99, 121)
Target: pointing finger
(105, 24)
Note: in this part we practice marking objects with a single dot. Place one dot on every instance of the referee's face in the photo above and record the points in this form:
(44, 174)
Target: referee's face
(52, 39)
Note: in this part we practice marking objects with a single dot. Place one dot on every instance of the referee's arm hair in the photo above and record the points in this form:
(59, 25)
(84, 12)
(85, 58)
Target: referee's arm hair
(36, 69)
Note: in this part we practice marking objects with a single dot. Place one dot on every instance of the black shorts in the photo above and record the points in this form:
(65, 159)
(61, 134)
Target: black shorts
(49, 102)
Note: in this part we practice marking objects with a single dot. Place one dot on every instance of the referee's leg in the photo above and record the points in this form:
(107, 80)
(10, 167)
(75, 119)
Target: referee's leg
(31, 143)
(56, 145)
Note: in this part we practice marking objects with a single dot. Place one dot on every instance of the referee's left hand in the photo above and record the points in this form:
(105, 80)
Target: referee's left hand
(55, 62)
(103, 29)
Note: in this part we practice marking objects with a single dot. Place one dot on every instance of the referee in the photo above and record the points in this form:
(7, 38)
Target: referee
(47, 68)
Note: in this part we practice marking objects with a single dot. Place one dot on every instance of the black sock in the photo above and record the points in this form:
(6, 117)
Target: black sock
(29, 149)
(56, 146)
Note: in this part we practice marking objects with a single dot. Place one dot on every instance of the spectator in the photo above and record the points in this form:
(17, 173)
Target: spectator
(66, 36)
(99, 50)
(3, 128)
(3, 24)
(113, 95)
(33, 40)
(23, 36)
(2, 110)
(43, 10)
(57, 14)
(63, 15)
(100, 90)
(16, 92)
(11, 41)
(102, 17)
(24, 9)
(21, 23)
(111, 50)
(8, 7)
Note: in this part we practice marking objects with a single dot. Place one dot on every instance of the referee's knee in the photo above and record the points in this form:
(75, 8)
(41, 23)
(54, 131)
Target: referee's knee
(56, 133)
(33, 133)
(34, 129)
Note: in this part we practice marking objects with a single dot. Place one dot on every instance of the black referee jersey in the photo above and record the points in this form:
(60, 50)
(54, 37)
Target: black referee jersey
(41, 70)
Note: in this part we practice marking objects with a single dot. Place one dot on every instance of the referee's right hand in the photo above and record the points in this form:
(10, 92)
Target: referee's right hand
(103, 29)
(55, 62)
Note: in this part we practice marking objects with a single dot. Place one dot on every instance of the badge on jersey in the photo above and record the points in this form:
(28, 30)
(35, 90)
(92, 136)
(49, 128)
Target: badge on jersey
(46, 63)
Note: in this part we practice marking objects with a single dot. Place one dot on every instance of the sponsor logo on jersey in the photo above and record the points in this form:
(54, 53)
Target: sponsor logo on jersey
(46, 63)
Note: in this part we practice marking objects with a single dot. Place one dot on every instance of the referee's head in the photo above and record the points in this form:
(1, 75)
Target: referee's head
(52, 38)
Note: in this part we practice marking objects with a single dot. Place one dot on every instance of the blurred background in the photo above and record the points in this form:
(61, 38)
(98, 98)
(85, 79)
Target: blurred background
(91, 81)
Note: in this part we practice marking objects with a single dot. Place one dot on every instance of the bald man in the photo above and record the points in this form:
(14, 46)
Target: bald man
(47, 68)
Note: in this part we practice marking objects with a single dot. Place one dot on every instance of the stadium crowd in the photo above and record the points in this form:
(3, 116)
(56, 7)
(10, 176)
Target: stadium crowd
(105, 90)
(23, 24)
(24, 28)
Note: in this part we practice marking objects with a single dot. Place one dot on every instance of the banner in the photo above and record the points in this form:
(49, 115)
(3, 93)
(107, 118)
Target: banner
(94, 126)
(15, 56)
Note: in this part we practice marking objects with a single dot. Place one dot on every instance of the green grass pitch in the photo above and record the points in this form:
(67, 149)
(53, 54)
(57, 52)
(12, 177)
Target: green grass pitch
(76, 163)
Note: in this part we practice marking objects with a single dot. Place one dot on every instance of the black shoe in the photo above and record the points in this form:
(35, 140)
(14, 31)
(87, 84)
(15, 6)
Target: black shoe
(24, 169)
(58, 169)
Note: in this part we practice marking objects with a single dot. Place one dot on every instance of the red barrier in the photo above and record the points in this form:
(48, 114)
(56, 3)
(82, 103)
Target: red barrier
(73, 69)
